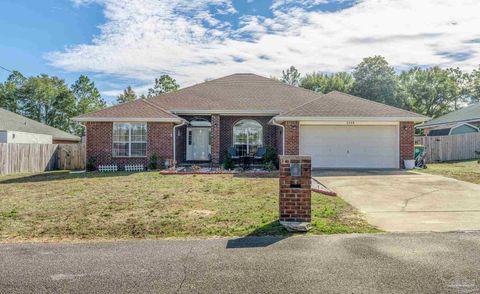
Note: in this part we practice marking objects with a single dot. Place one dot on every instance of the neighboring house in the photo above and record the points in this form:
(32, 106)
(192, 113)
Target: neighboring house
(465, 120)
(246, 111)
(15, 128)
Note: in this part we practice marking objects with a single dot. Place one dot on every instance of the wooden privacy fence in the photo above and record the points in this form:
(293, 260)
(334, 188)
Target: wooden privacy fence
(22, 158)
(454, 147)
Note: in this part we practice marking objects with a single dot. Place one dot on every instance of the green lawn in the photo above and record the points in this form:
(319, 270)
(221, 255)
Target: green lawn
(63, 206)
(468, 170)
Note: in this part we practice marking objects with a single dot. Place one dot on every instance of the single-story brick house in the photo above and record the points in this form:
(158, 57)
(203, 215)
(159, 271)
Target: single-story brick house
(200, 123)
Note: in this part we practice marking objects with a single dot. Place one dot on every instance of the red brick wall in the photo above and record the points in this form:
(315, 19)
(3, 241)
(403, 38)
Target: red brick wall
(295, 202)
(406, 141)
(292, 139)
(226, 132)
(99, 143)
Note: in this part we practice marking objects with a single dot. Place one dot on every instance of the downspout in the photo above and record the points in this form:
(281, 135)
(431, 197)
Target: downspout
(283, 134)
(85, 133)
(175, 141)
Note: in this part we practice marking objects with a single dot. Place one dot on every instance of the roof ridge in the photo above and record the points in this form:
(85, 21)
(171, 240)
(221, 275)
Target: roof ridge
(188, 87)
(376, 102)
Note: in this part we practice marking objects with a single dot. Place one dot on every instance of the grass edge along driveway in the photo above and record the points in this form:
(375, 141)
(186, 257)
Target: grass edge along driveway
(58, 206)
(466, 170)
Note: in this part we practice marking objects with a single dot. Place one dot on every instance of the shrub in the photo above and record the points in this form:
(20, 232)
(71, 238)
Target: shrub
(228, 162)
(269, 166)
(153, 164)
(271, 157)
(90, 166)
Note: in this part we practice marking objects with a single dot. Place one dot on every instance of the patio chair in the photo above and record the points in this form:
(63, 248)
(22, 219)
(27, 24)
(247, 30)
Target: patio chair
(260, 154)
(232, 151)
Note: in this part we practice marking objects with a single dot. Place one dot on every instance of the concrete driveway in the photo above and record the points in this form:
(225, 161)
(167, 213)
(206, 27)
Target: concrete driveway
(405, 201)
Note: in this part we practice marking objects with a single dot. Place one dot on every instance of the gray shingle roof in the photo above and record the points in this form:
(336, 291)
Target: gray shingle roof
(250, 93)
(469, 113)
(239, 92)
(10, 121)
(337, 104)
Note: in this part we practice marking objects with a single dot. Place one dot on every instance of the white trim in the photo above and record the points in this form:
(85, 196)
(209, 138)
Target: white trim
(247, 119)
(461, 125)
(130, 141)
(446, 124)
(346, 118)
(127, 119)
(226, 112)
(349, 123)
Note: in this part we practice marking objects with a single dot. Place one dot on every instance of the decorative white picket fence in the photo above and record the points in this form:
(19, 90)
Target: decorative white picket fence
(134, 167)
(453, 147)
(108, 168)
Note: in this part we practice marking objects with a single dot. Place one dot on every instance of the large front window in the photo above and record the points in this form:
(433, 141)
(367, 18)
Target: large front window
(129, 139)
(247, 136)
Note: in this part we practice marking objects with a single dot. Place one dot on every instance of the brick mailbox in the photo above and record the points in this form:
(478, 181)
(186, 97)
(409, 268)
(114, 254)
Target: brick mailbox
(295, 192)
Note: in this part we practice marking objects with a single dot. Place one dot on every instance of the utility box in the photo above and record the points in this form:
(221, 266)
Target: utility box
(295, 192)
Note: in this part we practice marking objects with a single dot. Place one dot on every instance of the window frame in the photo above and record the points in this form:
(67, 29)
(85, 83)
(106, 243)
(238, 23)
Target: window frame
(129, 142)
(247, 143)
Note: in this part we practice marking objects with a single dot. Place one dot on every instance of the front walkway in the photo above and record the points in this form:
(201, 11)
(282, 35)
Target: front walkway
(408, 201)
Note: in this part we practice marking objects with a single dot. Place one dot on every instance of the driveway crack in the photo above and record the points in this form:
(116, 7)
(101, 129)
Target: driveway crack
(406, 201)
(185, 269)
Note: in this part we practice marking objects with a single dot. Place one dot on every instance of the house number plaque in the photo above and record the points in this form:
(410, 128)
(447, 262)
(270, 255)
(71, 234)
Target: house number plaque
(295, 170)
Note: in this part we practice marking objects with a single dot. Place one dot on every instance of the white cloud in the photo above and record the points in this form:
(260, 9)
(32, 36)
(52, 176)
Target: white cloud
(144, 38)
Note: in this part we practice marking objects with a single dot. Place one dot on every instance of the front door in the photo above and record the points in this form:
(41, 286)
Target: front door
(198, 144)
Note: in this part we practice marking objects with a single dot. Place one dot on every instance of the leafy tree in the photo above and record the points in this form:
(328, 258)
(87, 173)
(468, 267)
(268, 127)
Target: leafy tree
(48, 100)
(430, 91)
(461, 81)
(474, 86)
(127, 96)
(87, 98)
(9, 91)
(291, 76)
(163, 84)
(376, 80)
(325, 83)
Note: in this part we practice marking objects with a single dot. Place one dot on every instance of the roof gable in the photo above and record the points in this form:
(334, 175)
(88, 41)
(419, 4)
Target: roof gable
(10, 121)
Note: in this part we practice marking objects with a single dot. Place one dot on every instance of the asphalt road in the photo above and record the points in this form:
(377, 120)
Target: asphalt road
(384, 263)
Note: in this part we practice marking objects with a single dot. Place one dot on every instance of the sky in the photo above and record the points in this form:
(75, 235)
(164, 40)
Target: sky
(130, 42)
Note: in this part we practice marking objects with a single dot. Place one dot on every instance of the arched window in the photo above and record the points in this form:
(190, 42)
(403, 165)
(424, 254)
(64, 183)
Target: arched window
(247, 136)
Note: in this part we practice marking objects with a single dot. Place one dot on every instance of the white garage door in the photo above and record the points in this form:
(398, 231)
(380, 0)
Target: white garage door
(351, 146)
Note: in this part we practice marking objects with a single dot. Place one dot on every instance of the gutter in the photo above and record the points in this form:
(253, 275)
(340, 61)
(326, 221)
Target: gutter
(345, 118)
(126, 119)
(272, 121)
